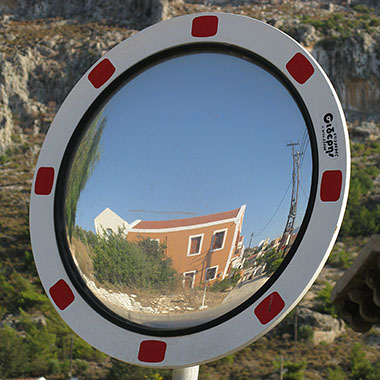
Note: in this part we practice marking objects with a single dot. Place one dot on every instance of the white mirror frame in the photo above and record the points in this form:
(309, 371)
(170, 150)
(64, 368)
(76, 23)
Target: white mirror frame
(328, 121)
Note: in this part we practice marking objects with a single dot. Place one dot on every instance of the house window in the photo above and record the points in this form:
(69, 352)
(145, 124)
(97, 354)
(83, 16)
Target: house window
(189, 278)
(211, 273)
(218, 240)
(195, 243)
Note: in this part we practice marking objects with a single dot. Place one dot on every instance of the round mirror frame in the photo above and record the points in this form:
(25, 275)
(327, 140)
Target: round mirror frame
(328, 122)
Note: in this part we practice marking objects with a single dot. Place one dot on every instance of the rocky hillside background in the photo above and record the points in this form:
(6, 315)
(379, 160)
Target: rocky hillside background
(46, 46)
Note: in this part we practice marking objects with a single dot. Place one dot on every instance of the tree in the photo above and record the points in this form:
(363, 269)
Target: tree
(86, 157)
(13, 354)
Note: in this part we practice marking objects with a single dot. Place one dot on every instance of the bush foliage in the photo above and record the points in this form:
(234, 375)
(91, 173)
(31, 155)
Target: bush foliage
(272, 259)
(142, 264)
(361, 218)
(324, 296)
(226, 283)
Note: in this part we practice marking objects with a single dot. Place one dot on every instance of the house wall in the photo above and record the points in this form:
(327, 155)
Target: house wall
(107, 219)
(177, 243)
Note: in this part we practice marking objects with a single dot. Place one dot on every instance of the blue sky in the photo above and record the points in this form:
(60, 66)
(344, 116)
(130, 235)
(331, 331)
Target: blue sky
(199, 134)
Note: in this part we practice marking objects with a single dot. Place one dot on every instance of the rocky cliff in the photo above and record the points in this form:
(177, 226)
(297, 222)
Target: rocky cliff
(46, 45)
(129, 13)
(40, 63)
(353, 65)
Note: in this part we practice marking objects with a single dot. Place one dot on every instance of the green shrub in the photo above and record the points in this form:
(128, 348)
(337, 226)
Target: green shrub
(359, 219)
(4, 158)
(228, 360)
(81, 367)
(84, 351)
(360, 366)
(340, 259)
(272, 258)
(306, 333)
(18, 292)
(227, 282)
(13, 355)
(375, 22)
(361, 8)
(40, 345)
(295, 370)
(141, 265)
(325, 301)
(336, 374)
(120, 370)
(375, 372)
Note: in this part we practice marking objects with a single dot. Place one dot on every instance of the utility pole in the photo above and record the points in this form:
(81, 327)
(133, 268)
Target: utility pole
(250, 240)
(289, 227)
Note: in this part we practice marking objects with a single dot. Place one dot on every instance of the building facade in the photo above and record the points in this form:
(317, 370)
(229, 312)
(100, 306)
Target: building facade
(202, 249)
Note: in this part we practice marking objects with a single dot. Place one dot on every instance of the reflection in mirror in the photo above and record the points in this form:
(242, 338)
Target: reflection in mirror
(188, 189)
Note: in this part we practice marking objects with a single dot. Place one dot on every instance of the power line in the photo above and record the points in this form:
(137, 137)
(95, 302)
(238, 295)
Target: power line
(303, 141)
(304, 144)
(304, 192)
(278, 207)
(303, 147)
(303, 155)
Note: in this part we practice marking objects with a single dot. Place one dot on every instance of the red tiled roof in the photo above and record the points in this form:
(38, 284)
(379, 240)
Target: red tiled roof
(158, 224)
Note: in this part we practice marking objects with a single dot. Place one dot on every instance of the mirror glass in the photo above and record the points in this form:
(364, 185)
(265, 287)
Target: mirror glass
(187, 189)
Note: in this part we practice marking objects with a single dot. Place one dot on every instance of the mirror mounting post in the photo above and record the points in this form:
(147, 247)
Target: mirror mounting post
(187, 373)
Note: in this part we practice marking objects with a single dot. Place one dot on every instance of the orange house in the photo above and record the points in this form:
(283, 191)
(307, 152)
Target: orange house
(202, 248)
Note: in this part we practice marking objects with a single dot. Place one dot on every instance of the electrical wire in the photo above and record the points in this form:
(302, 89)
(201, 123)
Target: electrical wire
(304, 192)
(303, 147)
(278, 207)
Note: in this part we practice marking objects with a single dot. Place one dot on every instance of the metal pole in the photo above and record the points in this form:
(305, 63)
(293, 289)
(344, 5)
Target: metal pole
(187, 373)
(295, 333)
(203, 306)
(71, 358)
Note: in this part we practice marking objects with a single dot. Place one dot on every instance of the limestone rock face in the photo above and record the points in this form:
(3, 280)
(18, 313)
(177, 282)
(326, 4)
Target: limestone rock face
(36, 77)
(34, 81)
(365, 131)
(15, 101)
(325, 327)
(352, 65)
(136, 14)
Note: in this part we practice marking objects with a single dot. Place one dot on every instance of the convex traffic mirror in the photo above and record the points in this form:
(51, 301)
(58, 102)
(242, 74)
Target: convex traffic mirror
(189, 190)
